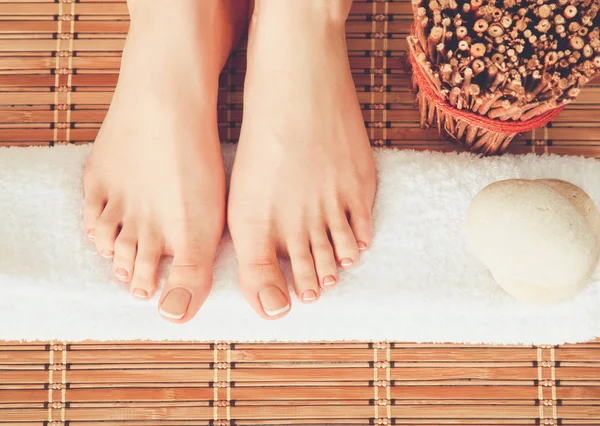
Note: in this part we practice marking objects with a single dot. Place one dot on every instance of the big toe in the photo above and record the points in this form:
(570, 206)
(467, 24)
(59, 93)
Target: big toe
(262, 282)
(187, 288)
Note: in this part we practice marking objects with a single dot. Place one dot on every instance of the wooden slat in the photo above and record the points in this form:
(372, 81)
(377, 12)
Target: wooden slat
(27, 47)
(343, 383)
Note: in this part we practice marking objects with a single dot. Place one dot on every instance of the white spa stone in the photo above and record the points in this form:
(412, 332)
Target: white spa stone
(539, 238)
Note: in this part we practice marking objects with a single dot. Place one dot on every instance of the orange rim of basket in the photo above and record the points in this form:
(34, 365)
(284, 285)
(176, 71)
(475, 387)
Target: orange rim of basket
(492, 125)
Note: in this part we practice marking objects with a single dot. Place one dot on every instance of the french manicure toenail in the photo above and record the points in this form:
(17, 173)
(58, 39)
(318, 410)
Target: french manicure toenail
(273, 301)
(278, 311)
(309, 295)
(170, 315)
(362, 246)
(140, 293)
(175, 304)
(329, 280)
(121, 274)
(107, 254)
(90, 235)
(346, 262)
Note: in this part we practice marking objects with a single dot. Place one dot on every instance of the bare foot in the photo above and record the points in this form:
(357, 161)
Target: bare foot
(154, 183)
(304, 181)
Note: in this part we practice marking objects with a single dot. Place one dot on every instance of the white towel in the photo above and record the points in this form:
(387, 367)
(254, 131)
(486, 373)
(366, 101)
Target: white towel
(416, 283)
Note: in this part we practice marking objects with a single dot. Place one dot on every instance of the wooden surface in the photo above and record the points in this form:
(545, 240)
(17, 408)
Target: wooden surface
(59, 62)
(58, 66)
(114, 384)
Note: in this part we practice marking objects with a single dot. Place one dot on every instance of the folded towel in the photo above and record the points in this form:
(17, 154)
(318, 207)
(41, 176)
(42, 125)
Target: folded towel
(417, 282)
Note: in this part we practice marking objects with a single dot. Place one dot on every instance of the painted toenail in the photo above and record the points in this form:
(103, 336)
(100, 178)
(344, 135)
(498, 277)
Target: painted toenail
(362, 246)
(122, 274)
(309, 295)
(140, 293)
(91, 235)
(346, 262)
(273, 301)
(278, 311)
(329, 280)
(175, 304)
(107, 254)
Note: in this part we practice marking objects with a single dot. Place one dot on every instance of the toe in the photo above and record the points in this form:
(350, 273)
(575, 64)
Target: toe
(361, 223)
(188, 286)
(125, 251)
(144, 280)
(306, 283)
(325, 264)
(261, 280)
(344, 244)
(106, 231)
(93, 205)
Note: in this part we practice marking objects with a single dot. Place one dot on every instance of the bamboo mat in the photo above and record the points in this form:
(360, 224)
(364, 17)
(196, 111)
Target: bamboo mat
(335, 383)
(58, 66)
(59, 61)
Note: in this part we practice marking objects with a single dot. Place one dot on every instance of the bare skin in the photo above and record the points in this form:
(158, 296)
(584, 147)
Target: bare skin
(304, 181)
(154, 182)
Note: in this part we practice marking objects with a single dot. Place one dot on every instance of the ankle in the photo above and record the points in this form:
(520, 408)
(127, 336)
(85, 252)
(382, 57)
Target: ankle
(156, 12)
(309, 14)
(189, 29)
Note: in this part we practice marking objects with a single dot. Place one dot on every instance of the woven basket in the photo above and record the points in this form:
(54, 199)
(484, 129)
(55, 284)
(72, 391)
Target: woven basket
(480, 134)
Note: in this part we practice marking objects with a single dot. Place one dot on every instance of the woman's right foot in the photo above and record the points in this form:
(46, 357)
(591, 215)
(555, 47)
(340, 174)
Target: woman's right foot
(154, 182)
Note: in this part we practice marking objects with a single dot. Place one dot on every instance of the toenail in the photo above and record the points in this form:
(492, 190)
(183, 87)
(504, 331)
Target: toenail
(309, 295)
(362, 246)
(273, 301)
(122, 274)
(91, 235)
(175, 304)
(329, 280)
(140, 293)
(346, 262)
(107, 254)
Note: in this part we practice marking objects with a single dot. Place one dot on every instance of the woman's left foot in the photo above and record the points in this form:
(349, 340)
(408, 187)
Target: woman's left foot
(304, 180)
